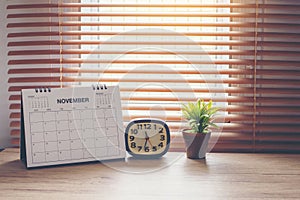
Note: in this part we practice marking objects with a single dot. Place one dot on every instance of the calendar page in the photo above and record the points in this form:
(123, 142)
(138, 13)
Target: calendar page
(71, 125)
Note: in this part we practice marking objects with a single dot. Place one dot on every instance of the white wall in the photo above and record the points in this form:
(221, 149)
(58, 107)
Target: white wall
(4, 106)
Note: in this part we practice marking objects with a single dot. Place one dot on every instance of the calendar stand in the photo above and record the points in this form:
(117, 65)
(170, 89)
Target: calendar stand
(71, 125)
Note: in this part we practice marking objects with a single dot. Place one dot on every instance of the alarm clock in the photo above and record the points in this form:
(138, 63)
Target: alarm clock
(147, 138)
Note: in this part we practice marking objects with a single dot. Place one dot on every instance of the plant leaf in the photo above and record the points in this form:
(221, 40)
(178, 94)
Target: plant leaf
(199, 115)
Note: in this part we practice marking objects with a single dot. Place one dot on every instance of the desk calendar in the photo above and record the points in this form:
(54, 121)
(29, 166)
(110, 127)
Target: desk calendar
(71, 125)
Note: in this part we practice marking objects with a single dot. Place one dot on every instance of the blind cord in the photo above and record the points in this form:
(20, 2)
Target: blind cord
(60, 44)
(255, 74)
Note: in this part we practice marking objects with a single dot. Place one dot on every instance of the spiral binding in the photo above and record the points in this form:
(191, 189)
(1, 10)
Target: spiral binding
(95, 87)
(99, 87)
(37, 90)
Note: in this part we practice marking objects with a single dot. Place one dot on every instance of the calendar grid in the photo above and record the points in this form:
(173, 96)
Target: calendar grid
(73, 134)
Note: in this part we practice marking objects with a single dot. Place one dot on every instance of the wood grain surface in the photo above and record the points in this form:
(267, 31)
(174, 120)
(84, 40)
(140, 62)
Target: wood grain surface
(220, 176)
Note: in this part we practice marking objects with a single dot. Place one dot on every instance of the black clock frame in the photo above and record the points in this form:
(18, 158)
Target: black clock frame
(145, 156)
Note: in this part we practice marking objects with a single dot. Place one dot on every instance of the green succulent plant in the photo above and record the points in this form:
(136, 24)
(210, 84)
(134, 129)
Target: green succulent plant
(199, 115)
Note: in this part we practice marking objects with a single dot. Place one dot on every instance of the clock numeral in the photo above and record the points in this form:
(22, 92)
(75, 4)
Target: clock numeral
(140, 126)
(147, 126)
(161, 130)
(143, 126)
(162, 137)
(133, 145)
(140, 148)
(131, 138)
(154, 148)
(161, 145)
(134, 131)
(146, 149)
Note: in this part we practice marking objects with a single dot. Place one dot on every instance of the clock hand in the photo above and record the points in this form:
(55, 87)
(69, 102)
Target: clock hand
(150, 142)
(146, 142)
(148, 139)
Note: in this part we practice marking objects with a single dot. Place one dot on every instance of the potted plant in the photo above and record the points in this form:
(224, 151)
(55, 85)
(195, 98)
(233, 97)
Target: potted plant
(200, 119)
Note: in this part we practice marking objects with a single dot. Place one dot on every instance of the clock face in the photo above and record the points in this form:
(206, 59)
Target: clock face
(147, 138)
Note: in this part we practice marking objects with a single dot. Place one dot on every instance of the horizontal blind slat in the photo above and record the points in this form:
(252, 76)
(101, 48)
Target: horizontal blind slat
(156, 33)
(287, 6)
(296, 26)
(153, 14)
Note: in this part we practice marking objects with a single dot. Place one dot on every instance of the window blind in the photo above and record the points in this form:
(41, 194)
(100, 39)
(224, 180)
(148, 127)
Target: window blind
(241, 54)
(274, 73)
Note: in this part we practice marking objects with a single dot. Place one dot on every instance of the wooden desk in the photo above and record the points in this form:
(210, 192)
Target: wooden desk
(220, 176)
